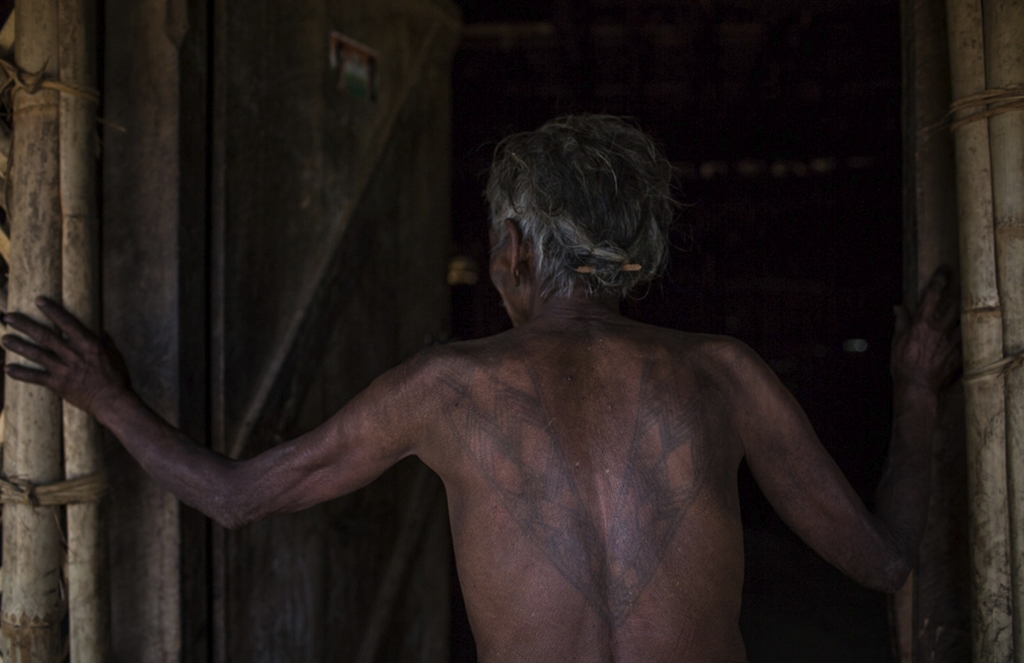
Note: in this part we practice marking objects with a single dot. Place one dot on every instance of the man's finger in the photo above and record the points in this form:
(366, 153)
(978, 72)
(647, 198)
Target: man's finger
(66, 322)
(28, 350)
(26, 374)
(948, 313)
(40, 333)
(933, 293)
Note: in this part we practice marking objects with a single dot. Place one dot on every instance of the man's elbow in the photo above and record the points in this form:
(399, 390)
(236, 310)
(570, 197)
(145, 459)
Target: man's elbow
(229, 520)
(892, 576)
(232, 509)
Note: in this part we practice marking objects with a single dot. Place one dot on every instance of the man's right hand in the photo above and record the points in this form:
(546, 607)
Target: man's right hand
(926, 346)
(81, 368)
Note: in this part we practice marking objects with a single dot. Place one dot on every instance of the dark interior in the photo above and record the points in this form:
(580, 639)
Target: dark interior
(783, 122)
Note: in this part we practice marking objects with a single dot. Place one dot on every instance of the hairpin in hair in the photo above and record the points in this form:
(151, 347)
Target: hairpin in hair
(630, 267)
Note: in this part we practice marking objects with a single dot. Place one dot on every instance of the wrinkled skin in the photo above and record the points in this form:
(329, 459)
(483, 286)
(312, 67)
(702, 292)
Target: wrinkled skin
(590, 465)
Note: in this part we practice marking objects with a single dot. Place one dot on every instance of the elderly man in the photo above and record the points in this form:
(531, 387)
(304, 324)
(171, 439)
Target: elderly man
(590, 461)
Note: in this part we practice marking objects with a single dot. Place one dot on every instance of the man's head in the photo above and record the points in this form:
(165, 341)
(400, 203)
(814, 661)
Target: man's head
(592, 195)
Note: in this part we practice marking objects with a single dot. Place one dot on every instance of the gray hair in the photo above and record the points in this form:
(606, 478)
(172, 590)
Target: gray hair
(592, 193)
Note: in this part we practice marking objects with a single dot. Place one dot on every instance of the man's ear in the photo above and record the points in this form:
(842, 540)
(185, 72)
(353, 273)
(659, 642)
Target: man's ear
(522, 250)
(515, 235)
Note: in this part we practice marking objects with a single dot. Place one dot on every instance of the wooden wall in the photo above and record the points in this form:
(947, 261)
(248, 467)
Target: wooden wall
(271, 244)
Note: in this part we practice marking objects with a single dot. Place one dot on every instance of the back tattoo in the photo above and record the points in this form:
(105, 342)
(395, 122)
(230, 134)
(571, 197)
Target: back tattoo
(511, 431)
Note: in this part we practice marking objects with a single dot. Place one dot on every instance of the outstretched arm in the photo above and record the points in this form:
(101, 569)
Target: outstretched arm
(345, 453)
(809, 491)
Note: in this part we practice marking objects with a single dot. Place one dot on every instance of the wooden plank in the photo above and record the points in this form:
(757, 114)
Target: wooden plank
(218, 295)
(277, 202)
(141, 285)
(191, 33)
(419, 506)
(299, 325)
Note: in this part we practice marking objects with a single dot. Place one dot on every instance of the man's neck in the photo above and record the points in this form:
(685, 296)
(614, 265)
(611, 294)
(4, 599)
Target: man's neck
(578, 306)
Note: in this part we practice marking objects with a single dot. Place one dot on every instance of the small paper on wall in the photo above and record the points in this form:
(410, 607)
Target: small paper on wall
(356, 64)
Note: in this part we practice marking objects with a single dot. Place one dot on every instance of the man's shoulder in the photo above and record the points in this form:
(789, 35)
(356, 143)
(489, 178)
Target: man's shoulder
(442, 363)
(515, 342)
(714, 358)
(725, 350)
(699, 348)
(458, 361)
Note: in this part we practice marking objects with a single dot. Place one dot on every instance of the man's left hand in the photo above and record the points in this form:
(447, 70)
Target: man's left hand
(78, 366)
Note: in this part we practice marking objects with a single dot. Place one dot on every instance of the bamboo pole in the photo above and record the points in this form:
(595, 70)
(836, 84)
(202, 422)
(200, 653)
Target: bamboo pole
(33, 604)
(1004, 60)
(988, 529)
(7, 36)
(89, 602)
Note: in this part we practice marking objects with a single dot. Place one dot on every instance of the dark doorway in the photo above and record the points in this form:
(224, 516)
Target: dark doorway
(783, 120)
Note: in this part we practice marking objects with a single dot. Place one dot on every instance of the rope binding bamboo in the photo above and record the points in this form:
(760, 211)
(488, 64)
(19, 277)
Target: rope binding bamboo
(995, 101)
(88, 489)
(19, 79)
(998, 368)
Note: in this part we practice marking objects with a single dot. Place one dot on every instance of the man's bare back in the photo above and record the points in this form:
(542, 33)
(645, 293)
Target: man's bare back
(590, 461)
(590, 467)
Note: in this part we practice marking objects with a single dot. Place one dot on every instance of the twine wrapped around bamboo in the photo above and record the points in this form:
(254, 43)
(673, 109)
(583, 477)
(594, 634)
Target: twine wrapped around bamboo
(18, 79)
(988, 528)
(1000, 368)
(997, 101)
(993, 101)
(1004, 70)
(83, 490)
